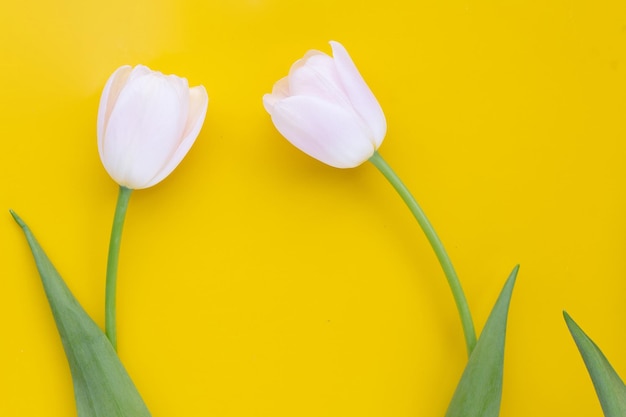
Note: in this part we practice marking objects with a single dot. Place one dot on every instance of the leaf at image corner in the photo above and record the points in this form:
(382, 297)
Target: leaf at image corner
(609, 386)
(479, 391)
(102, 387)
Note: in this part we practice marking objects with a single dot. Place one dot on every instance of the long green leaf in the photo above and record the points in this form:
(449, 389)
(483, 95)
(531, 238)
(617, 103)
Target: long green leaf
(479, 391)
(609, 386)
(102, 387)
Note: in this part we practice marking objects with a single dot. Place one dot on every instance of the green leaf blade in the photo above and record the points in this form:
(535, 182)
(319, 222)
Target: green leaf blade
(609, 386)
(479, 391)
(102, 387)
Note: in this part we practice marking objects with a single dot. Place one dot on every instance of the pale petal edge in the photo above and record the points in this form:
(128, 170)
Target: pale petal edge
(322, 130)
(361, 96)
(111, 91)
(198, 105)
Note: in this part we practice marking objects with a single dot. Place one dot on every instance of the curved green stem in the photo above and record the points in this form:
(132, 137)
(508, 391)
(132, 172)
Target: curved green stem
(110, 324)
(435, 242)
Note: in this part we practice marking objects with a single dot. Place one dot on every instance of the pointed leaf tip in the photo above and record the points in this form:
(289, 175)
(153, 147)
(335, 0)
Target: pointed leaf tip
(102, 387)
(17, 219)
(609, 387)
(479, 391)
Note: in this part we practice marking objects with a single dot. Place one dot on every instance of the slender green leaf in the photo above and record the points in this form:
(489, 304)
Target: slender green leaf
(102, 387)
(609, 386)
(479, 391)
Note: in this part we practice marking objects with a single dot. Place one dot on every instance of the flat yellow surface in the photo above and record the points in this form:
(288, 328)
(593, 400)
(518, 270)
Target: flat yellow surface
(256, 281)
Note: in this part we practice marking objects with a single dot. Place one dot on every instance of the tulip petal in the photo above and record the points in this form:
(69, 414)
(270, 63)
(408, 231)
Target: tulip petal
(281, 88)
(318, 78)
(144, 128)
(362, 98)
(111, 91)
(322, 130)
(140, 71)
(279, 92)
(198, 104)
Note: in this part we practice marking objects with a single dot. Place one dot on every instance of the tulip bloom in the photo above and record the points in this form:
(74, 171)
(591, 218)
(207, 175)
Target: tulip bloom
(147, 122)
(325, 108)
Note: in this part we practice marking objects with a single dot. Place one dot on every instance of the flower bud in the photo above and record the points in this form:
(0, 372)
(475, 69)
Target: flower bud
(147, 122)
(325, 108)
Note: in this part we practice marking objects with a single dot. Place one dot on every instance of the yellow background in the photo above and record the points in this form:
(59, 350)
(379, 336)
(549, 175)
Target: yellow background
(256, 281)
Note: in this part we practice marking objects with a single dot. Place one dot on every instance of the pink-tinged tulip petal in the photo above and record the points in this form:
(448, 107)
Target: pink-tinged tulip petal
(281, 88)
(279, 92)
(324, 108)
(147, 122)
(111, 91)
(360, 94)
(318, 78)
(198, 103)
(138, 141)
(326, 132)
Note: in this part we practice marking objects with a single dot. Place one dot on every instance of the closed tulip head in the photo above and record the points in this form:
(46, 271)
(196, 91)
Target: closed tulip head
(325, 108)
(147, 122)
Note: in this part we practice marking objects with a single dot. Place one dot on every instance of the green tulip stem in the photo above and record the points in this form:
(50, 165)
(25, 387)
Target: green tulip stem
(110, 324)
(435, 242)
